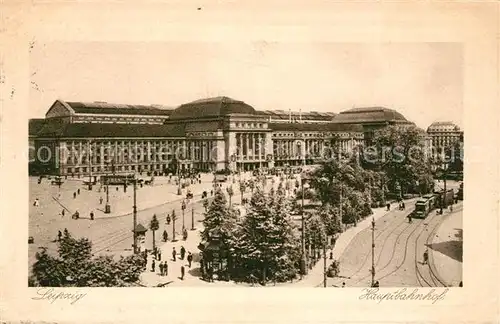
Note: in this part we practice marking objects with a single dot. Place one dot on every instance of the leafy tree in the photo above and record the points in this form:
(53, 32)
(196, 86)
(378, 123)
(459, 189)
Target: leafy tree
(399, 151)
(230, 193)
(74, 266)
(316, 233)
(251, 184)
(154, 225)
(243, 187)
(330, 216)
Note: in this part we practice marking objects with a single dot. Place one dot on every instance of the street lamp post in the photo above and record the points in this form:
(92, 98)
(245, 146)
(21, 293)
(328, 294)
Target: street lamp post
(183, 207)
(134, 216)
(179, 191)
(90, 163)
(373, 252)
(107, 207)
(192, 219)
(324, 261)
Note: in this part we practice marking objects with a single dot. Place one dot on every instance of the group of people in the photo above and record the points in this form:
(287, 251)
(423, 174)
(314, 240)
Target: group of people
(163, 265)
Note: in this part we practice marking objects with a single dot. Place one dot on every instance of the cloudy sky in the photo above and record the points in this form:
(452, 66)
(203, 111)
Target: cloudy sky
(423, 81)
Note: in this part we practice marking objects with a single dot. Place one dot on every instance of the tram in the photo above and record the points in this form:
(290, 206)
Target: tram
(423, 207)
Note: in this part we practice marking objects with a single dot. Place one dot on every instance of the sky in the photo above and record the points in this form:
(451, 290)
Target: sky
(423, 81)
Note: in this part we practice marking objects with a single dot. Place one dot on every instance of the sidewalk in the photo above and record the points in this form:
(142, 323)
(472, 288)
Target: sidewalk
(447, 247)
(315, 277)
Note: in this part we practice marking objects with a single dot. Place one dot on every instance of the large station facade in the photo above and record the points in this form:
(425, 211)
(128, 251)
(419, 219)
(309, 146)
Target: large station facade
(77, 138)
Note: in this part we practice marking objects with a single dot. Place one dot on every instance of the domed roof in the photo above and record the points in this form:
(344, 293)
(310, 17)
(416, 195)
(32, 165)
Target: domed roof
(369, 114)
(212, 107)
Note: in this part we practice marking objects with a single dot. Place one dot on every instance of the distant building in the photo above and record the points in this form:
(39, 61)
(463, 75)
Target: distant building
(444, 134)
(207, 135)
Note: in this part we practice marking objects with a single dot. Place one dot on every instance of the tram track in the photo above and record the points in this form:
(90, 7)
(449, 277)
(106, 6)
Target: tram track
(382, 250)
(433, 273)
(405, 248)
(365, 259)
(421, 278)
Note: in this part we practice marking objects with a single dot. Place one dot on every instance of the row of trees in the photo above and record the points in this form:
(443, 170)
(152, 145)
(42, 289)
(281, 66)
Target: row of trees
(263, 245)
(75, 266)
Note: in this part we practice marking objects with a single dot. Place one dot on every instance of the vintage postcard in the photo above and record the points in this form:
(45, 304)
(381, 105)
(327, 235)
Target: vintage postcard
(176, 165)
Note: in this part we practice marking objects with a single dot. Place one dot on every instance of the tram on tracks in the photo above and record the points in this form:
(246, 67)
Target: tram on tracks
(429, 202)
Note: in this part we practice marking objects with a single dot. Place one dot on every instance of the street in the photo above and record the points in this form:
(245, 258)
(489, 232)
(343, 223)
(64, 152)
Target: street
(399, 249)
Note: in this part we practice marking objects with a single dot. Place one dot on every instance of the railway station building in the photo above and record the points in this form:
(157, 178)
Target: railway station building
(77, 138)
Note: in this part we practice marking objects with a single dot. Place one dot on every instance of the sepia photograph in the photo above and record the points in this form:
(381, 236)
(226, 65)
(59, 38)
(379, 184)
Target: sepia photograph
(246, 164)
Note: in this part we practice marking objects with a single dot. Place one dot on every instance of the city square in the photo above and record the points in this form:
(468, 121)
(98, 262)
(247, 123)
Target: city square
(210, 190)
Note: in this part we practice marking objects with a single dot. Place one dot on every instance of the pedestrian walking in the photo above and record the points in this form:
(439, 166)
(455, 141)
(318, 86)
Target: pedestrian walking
(159, 255)
(161, 268)
(59, 235)
(36, 203)
(165, 268)
(409, 218)
(174, 254)
(91, 215)
(189, 259)
(74, 195)
(426, 257)
(78, 191)
(404, 206)
(63, 212)
(183, 252)
(343, 285)
(100, 200)
(153, 266)
(182, 272)
(165, 236)
(388, 206)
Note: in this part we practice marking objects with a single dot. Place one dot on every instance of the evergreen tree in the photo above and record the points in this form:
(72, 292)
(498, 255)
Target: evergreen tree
(219, 218)
(264, 244)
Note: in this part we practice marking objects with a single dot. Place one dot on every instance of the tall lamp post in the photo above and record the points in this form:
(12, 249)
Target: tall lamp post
(373, 252)
(179, 191)
(107, 207)
(90, 163)
(136, 250)
(183, 207)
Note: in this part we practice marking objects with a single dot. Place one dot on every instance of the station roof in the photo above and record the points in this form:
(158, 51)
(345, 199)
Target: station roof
(117, 109)
(61, 129)
(325, 127)
(212, 107)
(369, 115)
